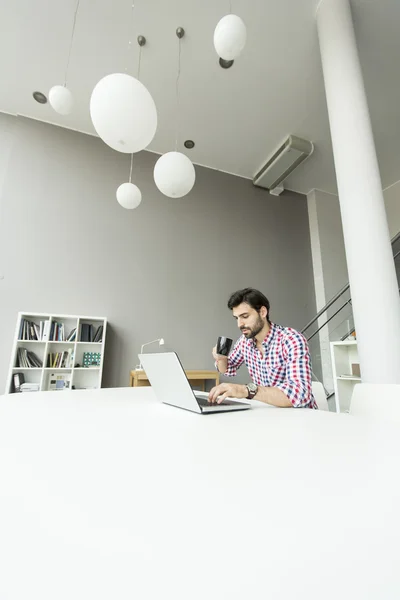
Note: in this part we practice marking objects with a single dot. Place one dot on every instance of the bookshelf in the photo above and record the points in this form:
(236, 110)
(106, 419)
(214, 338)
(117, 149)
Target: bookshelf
(57, 352)
(344, 355)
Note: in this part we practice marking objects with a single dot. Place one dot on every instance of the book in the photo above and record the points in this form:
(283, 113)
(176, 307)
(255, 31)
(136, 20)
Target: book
(98, 336)
(71, 337)
(33, 360)
(27, 359)
(85, 332)
(18, 380)
(46, 331)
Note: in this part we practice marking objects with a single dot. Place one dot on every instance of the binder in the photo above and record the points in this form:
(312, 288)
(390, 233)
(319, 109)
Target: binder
(46, 331)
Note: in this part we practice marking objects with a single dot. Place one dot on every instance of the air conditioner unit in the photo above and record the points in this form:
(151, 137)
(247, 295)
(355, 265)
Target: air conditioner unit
(285, 160)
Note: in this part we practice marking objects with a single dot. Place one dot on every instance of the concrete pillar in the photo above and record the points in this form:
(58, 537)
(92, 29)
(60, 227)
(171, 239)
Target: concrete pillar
(372, 275)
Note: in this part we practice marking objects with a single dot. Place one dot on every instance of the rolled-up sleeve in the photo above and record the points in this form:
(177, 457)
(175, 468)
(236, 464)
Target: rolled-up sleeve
(235, 359)
(297, 385)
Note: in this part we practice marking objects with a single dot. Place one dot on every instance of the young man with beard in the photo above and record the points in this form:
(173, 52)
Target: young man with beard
(278, 358)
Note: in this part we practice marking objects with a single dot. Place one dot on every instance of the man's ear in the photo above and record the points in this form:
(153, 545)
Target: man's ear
(263, 312)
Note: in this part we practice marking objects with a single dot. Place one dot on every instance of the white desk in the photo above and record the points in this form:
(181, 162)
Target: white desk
(111, 495)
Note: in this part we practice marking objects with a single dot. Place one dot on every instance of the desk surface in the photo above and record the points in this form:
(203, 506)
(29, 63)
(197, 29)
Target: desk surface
(109, 494)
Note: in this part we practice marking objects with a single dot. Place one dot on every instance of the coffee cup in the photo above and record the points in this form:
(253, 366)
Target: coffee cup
(224, 345)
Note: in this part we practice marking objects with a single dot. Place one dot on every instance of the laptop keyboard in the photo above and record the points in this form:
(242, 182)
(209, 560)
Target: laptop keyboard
(203, 402)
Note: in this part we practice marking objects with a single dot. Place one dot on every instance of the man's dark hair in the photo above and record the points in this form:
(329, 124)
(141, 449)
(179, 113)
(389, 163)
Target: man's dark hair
(252, 297)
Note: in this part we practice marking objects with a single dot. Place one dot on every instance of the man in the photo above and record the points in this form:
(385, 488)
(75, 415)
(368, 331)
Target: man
(277, 357)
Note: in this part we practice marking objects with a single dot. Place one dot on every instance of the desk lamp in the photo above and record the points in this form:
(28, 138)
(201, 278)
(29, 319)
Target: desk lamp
(160, 343)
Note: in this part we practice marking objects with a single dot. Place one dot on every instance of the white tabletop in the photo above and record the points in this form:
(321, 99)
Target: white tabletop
(111, 495)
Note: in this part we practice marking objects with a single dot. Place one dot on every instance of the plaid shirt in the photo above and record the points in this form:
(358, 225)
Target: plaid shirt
(286, 364)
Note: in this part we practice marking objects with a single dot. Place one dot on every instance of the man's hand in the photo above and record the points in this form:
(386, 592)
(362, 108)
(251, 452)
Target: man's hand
(223, 390)
(221, 360)
(215, 355)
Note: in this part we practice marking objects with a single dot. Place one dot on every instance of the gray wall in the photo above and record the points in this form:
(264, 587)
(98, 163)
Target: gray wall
(392, 203)
(331, 243)
(165, 269)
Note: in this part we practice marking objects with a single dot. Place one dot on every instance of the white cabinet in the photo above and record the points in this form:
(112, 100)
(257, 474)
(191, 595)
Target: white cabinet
(344, 355)
(57, 352)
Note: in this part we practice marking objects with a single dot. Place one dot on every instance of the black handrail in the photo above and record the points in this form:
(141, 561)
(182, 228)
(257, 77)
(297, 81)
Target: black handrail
(330, 319)
(340, 293)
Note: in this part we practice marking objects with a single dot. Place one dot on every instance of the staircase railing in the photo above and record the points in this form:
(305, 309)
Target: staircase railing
(331, 311)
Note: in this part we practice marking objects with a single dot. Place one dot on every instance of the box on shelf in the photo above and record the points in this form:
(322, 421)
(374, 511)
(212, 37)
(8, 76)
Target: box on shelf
(355, 369)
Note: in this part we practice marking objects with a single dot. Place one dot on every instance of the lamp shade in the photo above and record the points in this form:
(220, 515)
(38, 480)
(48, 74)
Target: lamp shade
(129, 196)
(123, 113)
(174, 174)
(61, 99)
(230, 37)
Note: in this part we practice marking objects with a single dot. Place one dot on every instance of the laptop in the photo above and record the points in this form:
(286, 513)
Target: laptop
(171, 386)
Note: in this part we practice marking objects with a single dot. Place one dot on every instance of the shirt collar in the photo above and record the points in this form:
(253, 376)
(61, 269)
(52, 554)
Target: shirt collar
(270, 334)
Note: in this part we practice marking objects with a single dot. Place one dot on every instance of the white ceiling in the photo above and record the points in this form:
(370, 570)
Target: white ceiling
(237, 117)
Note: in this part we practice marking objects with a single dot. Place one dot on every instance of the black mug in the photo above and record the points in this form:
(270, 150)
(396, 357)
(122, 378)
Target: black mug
(224, 345)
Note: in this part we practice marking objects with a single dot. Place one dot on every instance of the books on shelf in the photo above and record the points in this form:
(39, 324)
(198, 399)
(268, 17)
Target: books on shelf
(27, 359)
(29, 330)
(61, 360)
(58, 333)
(88, 333)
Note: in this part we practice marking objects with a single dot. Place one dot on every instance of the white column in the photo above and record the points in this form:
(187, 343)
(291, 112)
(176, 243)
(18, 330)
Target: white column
(372, 276)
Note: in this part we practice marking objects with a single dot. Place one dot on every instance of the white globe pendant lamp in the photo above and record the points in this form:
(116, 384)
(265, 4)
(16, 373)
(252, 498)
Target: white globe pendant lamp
(129, 196)
(230, 37)
(123, 113)
(174, 174)
(61, 99)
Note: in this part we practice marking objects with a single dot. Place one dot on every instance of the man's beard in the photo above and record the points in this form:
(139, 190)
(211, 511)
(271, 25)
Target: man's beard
(251, 334)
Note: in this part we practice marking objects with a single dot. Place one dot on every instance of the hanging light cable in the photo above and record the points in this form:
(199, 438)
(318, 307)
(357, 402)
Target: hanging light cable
(123, 112)
(174, 173)
(60, 96)
(70, 44)
(128, 194)
(180, 36)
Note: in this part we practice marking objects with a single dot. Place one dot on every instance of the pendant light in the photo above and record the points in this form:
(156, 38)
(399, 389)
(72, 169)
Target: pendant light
(230, 36)
(123, 111)
(60, 97)
(174, 173)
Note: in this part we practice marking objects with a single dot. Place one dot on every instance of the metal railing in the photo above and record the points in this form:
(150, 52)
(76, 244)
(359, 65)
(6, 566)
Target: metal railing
(336, 297)
(332, 311)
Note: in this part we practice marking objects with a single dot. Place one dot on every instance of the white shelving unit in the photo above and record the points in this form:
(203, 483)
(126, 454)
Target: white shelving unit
(343, 355)
(71, 376)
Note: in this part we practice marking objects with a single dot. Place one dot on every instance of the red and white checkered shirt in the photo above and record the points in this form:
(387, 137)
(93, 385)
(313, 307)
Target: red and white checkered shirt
(286, 364)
